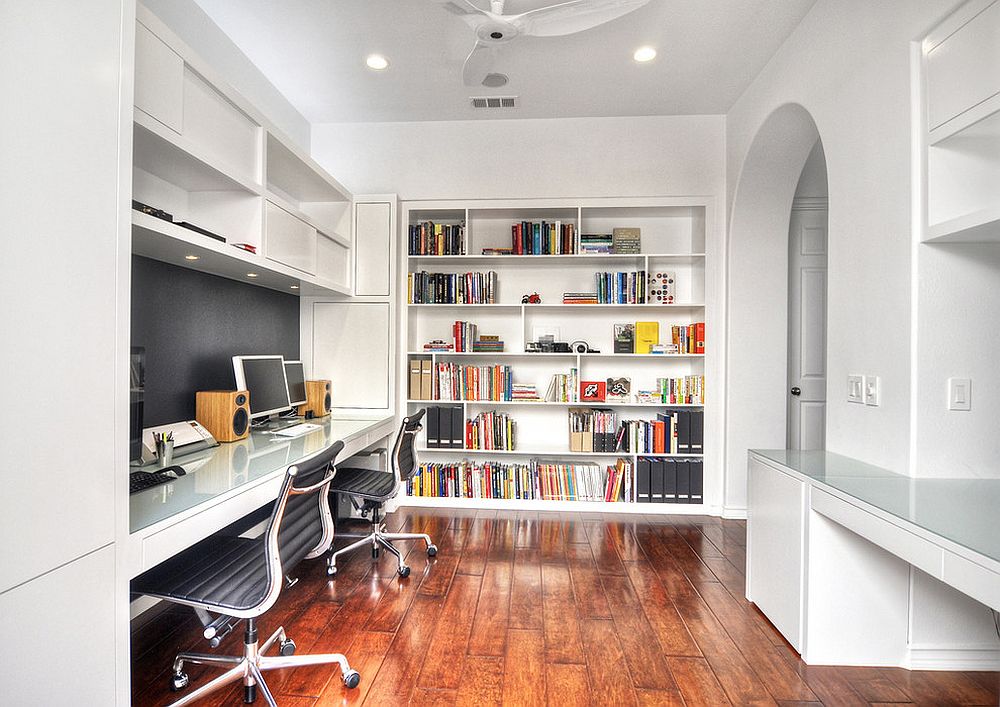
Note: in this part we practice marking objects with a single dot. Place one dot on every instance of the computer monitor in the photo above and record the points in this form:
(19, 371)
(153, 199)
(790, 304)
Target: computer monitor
(264, 378)
(295, 374)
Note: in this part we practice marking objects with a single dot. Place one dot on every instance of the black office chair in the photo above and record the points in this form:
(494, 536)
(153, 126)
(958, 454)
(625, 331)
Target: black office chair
(240, 578)
(369, 489)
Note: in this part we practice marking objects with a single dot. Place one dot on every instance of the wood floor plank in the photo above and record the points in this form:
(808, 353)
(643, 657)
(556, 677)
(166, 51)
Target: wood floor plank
(489, 627)
(446, 652)
(432, 698)
(831, 686)
(561, 627)
(482, 682)
(365, 654)
(610, 682)
(590, 600)
(475, 547)
(697, 682)
(602, 544)
(398, 674)
(526, 590)
(940, 687)
(639, 644)
(567, 685)
(671, 575)
(658, 698)
(673, 634)
(551, 540)
(524, 668)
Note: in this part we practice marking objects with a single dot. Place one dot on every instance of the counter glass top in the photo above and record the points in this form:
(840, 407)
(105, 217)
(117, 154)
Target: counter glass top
(216, 471)
(961, 510)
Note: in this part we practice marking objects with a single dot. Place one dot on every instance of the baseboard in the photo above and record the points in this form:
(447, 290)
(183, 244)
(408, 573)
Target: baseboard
(976, 657)
(734, 513)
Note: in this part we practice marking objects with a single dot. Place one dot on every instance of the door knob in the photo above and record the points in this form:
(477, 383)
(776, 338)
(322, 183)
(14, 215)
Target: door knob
(796, 391)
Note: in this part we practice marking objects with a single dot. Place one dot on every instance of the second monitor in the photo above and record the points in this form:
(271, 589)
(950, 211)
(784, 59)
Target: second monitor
(295, 376)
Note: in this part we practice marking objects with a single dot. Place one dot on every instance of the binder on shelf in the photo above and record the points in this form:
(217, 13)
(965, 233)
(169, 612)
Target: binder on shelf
(697, 480)
(683, 481)
(683, 431)
(415, 388)
(433, 427)
(642, 490)
(697, 431)
(669, 467)
(656, 480)
(457, 427)
(425, 379)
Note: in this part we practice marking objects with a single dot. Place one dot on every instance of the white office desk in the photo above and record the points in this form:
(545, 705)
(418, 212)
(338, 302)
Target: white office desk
(227, 482)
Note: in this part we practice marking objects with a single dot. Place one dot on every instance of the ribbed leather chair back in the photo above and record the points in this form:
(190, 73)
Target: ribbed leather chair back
(403, 456)
(307, 519)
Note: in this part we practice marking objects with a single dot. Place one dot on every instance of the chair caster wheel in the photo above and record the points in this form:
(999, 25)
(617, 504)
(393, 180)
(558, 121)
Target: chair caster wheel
(287, 647)
(404, 571)
(178, 681)
(331, 570)
(352, 679)
(432, 550)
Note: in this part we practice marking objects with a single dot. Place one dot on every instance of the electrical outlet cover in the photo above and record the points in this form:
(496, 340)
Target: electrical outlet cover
(855, 388)
(873, 390)
(959, 393)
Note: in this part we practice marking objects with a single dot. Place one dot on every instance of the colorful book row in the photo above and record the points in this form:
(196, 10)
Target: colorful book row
(429, 238)
(451, 288)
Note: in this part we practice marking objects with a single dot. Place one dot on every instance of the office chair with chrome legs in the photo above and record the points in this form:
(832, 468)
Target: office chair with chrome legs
(240, 578)
(369, 489)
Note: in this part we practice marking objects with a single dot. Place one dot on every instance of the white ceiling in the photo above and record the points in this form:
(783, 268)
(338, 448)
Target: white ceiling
(314, 52)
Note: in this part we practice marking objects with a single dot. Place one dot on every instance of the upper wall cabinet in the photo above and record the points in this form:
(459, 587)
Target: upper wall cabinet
(961, 73)
(222, 190)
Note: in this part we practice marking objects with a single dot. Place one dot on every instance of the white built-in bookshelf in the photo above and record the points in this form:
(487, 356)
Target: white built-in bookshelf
(677, 236)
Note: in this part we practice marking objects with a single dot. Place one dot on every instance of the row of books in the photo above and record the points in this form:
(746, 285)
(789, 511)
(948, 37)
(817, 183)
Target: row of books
(621, 287)
(564, 387)
(451, 288)
(520, 481)
(457, 382)
(429, 238)
(490, 430)
(687, 390)
(689, 339)
(444, 426)
(669, 480)
(545, 238)
(592, 429)
(672, 432)
(465, 336)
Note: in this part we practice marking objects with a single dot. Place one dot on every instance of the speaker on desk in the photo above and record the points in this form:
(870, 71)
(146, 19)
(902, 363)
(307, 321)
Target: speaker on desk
(319, 399)
(224, 413)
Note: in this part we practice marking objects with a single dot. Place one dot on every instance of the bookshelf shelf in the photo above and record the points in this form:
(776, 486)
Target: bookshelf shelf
(675, 248)
(551, 506)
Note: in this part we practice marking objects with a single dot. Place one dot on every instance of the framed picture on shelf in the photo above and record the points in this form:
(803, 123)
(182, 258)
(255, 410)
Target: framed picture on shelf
(619, 390)
(593, 391)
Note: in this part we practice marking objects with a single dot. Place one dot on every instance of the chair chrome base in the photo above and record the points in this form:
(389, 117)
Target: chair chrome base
(250, 667)
(379, 538)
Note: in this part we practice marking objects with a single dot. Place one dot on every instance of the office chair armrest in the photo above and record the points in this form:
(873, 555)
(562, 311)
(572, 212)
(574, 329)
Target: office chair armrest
(315, 487)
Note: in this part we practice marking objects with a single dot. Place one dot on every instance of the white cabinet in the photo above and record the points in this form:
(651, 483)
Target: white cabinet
(372, 247)
(289, 240)
(351, 347)
(333, 261)
(159, 79)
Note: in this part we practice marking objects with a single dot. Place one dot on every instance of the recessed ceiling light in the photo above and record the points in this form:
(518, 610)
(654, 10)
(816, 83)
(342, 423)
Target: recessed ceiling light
(251, 274)
(295, 287)
(377, 62)
(192, 257)
(643, 54)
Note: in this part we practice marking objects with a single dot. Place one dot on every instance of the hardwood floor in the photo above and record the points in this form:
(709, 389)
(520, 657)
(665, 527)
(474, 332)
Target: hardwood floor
(544, 608)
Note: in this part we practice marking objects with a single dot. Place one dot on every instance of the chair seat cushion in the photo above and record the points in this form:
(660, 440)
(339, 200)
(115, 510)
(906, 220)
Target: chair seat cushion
(224, 571)
(365, 483)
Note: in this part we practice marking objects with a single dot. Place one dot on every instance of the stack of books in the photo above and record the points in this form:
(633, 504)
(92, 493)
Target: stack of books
(580, 298)
(592, 244)
(490, 430)
(564, 388)
(498, 251)
(488, 344)
(621, 287)
(626, 241)
(526, 392)
(429, 238)
(438, 345)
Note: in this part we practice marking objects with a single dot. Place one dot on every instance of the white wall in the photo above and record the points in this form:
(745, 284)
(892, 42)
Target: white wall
(490, 159)
(195, 28)
(812, 180)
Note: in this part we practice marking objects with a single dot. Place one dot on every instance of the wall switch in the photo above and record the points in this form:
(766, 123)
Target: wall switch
(959, 393)
(855, 388)
(873, 390)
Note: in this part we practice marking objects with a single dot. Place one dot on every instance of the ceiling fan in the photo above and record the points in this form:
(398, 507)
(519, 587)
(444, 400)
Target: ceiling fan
(494, 29)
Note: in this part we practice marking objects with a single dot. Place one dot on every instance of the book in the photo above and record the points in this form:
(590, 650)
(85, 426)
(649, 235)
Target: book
(626, 240)
(646, 334)
(624, 335)
(619, 390)
(415, 391)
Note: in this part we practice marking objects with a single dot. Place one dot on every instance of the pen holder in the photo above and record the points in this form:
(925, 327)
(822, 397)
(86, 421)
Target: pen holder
(164, 452)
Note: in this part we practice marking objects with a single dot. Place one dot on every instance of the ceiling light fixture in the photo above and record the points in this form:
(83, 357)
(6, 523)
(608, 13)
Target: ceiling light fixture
(192, 257)
(377, 62)
(644, 54)
(251, 274)
(295, 287)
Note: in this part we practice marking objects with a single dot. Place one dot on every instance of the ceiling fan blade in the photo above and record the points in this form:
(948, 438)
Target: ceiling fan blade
(461, 7)
(572, 16)
(479, 63)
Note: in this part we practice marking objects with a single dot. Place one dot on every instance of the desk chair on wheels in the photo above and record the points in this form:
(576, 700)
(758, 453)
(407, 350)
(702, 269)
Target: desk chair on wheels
(241, 578)
(369, 489)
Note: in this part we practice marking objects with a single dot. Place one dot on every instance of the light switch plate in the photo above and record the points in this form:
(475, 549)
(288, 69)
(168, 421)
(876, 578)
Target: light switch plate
(855, 388)
(873, 390)
(959, 393)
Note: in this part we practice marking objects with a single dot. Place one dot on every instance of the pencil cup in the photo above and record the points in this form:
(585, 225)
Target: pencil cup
(165, 452)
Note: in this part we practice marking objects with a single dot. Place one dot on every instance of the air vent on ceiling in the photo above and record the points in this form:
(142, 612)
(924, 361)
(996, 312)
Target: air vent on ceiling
(494, 101)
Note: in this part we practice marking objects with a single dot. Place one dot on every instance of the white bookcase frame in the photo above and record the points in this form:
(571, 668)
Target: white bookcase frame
(686, 233)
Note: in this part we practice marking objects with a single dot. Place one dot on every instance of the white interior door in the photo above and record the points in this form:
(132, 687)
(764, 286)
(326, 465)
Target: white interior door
(807, 328)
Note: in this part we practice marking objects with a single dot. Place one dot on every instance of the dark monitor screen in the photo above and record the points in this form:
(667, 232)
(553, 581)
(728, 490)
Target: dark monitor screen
(264, 378)
(295, 374)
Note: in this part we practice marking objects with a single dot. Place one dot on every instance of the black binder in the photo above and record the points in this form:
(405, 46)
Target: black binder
(457, 427)
(656, 480)
(697, 431)
(642, 488)
(669, 480)
(697, 480)
(433, 427)
(683, 481)
(683, 431)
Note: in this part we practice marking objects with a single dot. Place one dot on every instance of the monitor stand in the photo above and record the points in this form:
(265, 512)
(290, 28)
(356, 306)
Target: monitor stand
(275, 422)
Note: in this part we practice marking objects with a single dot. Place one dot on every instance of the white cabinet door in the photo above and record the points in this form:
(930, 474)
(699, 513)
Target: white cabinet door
(289, 240)
(351, 348)
(372, 247)
(775, 527)
(333, 261)
(159, 79)
(60, 646)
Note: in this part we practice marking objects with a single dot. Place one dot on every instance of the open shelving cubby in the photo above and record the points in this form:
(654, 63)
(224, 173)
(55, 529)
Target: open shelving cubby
(673, 239)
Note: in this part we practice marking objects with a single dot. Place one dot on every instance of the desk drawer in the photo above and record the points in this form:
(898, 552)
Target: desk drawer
(920, 553)
(980, 583)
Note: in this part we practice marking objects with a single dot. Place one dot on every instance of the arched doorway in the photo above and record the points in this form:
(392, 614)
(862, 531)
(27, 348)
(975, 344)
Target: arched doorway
(757, 384)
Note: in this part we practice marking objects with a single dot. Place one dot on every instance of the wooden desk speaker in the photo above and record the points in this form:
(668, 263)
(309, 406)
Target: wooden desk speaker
(319, 399)
(224, 413)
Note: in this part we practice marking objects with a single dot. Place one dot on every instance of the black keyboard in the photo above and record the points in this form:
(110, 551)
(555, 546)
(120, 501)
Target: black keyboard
(142, 480)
